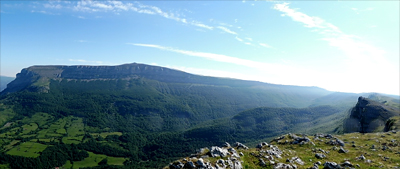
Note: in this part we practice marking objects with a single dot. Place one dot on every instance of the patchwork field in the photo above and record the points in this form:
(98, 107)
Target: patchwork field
(27, 149)
(93, 160)
(29, 137)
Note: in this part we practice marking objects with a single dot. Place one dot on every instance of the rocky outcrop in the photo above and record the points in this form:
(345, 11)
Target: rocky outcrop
(200, 159)
(369, 116)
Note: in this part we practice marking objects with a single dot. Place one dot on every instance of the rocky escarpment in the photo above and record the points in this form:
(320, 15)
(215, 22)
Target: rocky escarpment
(369, 116)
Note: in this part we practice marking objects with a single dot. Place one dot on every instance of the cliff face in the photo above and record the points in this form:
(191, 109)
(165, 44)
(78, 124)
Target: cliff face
(35, 77)
(369, 116)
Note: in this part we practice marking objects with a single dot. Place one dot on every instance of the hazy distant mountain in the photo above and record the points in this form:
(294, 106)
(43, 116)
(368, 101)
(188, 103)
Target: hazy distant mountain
(4, 80)
(135, 112)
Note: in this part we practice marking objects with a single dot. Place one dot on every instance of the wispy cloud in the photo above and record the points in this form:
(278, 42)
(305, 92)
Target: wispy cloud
(265, 45)
(250, 39)
(241, 40)
(44, 12)
(52, 6)
(118, 6)
(226, 30)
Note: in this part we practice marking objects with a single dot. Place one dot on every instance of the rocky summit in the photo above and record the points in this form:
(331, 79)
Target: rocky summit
(291, 151)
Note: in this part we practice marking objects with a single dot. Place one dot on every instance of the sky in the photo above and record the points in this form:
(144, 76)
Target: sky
(344, 46)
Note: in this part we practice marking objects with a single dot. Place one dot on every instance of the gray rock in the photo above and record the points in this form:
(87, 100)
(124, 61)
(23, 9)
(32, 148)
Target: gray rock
(218, 152)
(261, 145)
(284, 166)
(331, 165)
(201, 163)
(347, 164)
(361, 157)
(340, 142)
(233, 152)
(262, 162)
(226, 144)
(342, 150)
(278, 138)
(240, 145)
(297, 160)
(320, 156)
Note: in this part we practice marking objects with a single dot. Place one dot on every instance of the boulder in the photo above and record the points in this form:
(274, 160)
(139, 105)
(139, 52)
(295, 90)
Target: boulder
(331, 165)
(240, 145)
(218, 152)
(347, 164)
(320, 156)
(285, 166)
(297, 160)
(342, 150)
(260, 145)
(226, 144)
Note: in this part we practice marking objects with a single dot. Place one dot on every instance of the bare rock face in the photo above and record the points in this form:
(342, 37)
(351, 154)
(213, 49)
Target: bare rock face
(369, 116)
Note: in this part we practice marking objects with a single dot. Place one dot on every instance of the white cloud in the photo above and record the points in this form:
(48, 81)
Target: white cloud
(44, 12)
(265, 45)
(308, 21)
(198, 24)
(226, 30)
(241, 40)
(250, 39)
(52, 6)
(118, 6)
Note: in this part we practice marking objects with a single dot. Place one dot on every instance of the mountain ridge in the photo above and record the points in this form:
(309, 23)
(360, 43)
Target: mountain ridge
(128, 71)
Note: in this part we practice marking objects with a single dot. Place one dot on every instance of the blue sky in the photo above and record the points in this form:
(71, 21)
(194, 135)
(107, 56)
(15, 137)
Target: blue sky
(340, 46)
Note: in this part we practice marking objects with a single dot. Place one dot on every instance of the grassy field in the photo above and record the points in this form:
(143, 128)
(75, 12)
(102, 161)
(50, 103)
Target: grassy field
(75, 130)
(93, 160)
(105, 134)
(4, 166)
(43, 127)
(27, 149)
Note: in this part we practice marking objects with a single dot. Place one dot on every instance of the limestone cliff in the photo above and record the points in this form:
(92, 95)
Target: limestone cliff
(369, 116)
